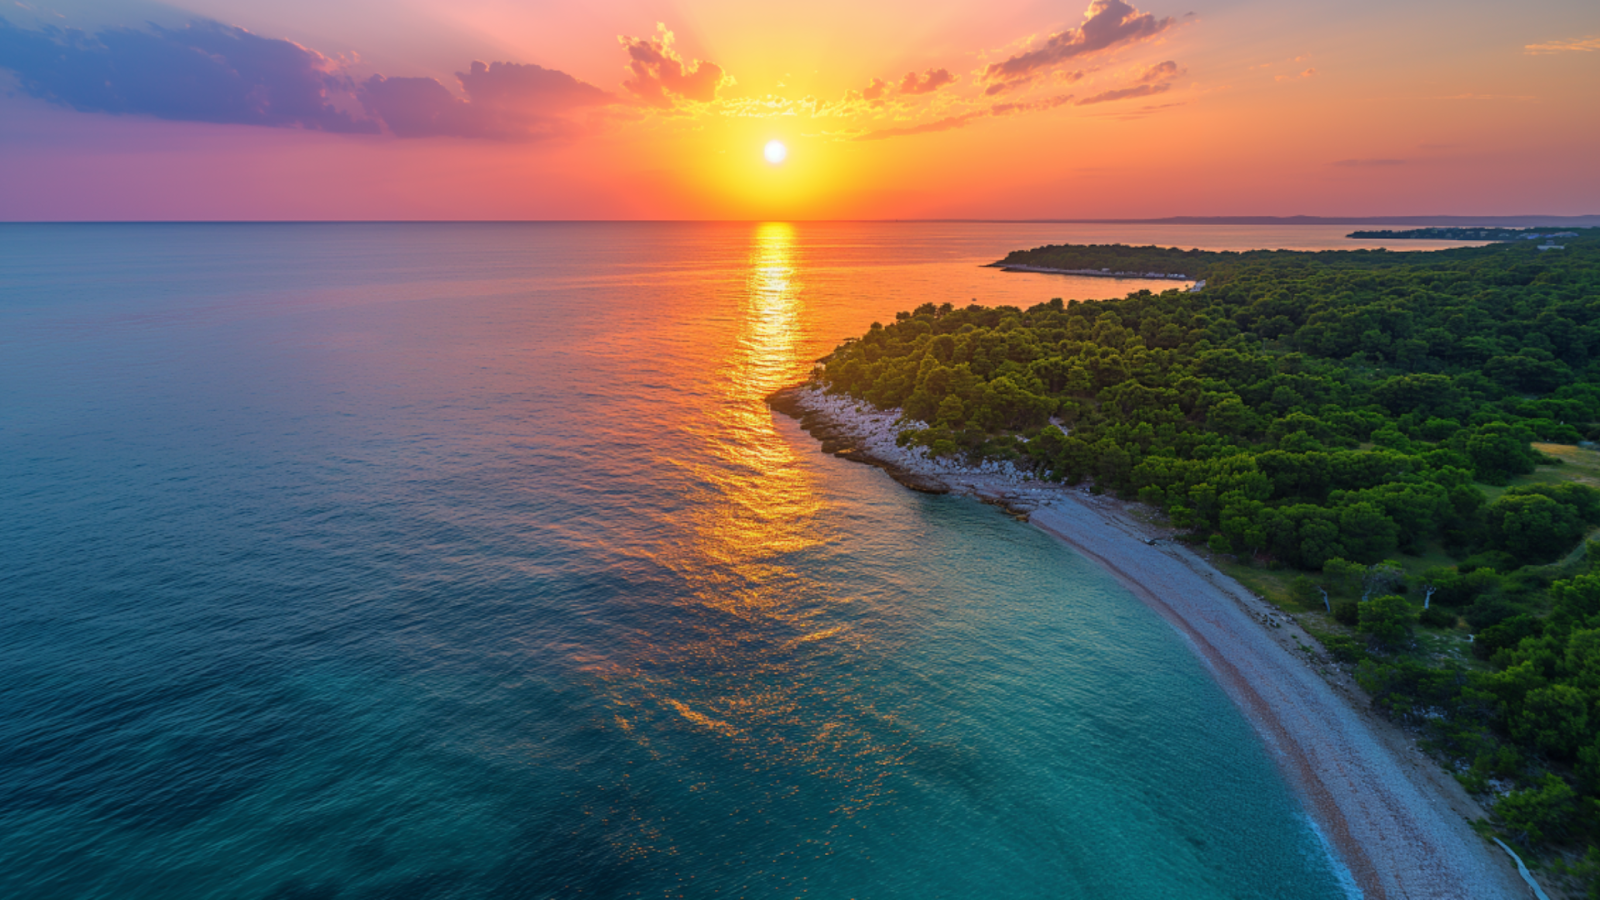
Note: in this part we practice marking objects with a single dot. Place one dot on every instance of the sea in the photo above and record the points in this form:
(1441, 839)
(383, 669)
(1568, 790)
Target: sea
(464, 560)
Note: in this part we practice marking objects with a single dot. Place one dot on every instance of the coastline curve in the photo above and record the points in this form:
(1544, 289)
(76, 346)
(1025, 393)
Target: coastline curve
(1397, 822)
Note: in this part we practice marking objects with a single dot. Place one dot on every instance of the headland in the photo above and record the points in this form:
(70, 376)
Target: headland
(1397, 822)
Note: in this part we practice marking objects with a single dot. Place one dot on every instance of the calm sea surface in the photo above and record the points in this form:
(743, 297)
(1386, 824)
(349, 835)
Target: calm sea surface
(457, 561)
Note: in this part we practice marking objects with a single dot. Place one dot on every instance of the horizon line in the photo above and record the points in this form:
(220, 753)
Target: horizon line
(1529, 219)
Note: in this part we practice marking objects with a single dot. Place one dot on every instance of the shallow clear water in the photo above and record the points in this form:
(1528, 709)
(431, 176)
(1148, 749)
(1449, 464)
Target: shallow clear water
(464, 561)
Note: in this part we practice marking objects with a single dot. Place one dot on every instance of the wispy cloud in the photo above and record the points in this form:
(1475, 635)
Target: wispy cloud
(944, 124)
(1138, 90)
(1577, 45)
(959, 121)
(1165, 71)
(1308, 73)
(1106, 24)
(1006, 109)
(878, 91)
(1156, 79)
(1367, 163)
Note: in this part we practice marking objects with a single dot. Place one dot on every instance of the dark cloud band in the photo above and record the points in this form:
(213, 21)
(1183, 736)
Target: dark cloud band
(209, 72)
(205, 72)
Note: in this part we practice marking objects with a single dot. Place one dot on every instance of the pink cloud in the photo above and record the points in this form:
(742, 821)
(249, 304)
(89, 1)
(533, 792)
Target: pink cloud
(661, 77)
(1107, 24)
(1142, 90)
(927, 83)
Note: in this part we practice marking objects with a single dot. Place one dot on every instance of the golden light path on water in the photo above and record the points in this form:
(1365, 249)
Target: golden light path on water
(762, 663)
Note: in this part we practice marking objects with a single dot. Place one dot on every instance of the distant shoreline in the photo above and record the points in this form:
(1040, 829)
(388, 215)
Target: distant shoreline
(1585, 221)
(1396, 821)
(1091, 273)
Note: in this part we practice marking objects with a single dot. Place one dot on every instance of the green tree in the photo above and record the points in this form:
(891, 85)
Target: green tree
(1387, 620)
(1538, 812)
(1555, 719)
(1533, 527)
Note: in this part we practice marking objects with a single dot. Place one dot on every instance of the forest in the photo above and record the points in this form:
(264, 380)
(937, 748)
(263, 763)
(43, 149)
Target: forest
(1361, 426)
(1456, 233)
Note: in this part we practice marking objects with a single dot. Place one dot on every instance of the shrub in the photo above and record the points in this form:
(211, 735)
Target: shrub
(1538, 812)
(1437, 617)
(1387, 619)
(1347, 612)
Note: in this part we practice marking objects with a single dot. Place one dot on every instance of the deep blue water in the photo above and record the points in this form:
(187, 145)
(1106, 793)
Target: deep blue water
(456, 561)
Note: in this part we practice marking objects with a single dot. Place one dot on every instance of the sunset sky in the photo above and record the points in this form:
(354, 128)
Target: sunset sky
(493, 109)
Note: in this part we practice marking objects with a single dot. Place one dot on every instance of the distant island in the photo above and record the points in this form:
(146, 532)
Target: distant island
(1410, 221)
(1112, 260)
(1124, 261)
(1462, 234)
(1396, 448)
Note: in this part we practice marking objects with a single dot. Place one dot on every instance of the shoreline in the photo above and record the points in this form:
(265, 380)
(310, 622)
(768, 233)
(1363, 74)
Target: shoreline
(1395, 820)
(1092, 273)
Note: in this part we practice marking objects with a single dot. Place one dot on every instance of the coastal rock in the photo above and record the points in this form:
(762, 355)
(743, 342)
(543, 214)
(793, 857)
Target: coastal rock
(859, 432)
(921, 483)
(787, 401)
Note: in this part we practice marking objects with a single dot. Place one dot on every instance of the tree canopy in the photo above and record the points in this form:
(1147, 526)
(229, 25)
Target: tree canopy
(1327, 412)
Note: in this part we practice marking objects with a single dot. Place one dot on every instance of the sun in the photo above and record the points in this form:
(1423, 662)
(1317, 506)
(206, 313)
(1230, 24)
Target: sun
(775, 152)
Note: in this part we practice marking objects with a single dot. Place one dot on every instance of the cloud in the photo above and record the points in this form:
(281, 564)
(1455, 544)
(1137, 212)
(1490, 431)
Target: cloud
(944, 124)
(949, 122)
(204, 72)
(1006, 109)
(1483, 97)
(1106, 24)
(504, 100)
(1160, 72)
(1140, 90)
(1578, 45)
(662, 78)
(1128, 115)
(528, 87)
(1156, 79)
(209, 72)
(930, 81)
(878, 91)
(1368, 163)
(1308, 73)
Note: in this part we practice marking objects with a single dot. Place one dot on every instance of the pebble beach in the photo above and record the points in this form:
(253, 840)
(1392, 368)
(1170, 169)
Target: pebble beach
(1397, 822)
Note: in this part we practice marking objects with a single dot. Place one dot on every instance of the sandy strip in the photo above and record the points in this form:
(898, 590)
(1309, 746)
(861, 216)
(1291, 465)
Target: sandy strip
(1395, 818)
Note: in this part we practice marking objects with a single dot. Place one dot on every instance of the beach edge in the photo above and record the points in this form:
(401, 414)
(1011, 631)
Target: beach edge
(1396, 821)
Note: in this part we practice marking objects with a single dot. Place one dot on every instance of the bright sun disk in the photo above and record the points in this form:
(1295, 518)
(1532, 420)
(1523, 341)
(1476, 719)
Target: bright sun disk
(776, 152)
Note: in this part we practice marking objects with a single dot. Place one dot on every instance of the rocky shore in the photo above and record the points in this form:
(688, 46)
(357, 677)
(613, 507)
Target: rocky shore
(1397, 821)
(857, 431)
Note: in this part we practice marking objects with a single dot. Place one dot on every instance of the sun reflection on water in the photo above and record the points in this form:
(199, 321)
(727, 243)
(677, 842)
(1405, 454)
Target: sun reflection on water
(757, 667)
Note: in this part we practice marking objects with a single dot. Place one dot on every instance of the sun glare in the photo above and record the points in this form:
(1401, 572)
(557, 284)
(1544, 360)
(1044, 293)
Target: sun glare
(776, 152)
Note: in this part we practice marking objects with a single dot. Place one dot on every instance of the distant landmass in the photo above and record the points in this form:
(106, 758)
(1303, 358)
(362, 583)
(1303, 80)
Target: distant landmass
(1463, 234)
(1410, 221)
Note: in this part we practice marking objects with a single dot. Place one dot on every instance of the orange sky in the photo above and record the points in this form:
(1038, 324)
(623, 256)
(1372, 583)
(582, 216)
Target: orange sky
(1009, 110)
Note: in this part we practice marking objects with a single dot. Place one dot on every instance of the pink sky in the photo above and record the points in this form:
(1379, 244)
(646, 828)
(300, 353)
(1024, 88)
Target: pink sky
(221, 109)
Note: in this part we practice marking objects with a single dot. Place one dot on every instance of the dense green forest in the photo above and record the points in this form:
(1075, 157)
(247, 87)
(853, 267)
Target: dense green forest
(1360, 423)
(1208, 264)
(1454, 233)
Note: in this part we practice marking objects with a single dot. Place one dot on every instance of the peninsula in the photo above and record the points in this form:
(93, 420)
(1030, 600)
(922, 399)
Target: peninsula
(1393, 450)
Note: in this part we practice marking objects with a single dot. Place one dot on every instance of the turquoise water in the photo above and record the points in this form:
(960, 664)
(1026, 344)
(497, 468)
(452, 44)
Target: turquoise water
(464, 561)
